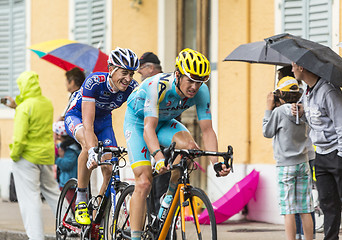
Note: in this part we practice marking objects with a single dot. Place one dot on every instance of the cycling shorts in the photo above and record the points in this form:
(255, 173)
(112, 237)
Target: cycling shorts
(103, 128)
(138, 152)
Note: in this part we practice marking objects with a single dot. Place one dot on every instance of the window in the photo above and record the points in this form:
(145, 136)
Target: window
(310, 19)
(90, 22)
(193, 25)
(12, 45)
(193, 32)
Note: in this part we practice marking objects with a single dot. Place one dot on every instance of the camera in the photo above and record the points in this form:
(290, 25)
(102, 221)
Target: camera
(4, 101)
(287, 97)
(277, 95)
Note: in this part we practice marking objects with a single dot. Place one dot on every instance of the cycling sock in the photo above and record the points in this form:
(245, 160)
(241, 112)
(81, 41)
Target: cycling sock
(136, 235)
(81, 195)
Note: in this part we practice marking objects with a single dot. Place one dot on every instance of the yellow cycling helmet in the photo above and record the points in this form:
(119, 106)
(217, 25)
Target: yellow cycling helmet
(194, 65)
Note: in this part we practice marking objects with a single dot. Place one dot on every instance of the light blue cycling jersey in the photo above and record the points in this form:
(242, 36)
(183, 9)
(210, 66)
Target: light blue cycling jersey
(157, 97)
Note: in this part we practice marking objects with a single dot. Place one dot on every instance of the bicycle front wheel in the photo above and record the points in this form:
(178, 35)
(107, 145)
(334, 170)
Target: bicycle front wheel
(196, 201)
(65, 216)
(114, 214)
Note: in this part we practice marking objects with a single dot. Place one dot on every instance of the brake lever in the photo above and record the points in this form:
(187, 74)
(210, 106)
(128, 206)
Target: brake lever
(226, 157)
(230, 156)
(169, 153)
(99, 151)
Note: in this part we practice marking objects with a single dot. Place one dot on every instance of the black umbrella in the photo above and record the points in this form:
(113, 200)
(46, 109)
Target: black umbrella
(257, 52)
(316, 58)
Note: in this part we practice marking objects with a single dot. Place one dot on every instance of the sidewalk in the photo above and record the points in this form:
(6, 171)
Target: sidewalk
(11, 226)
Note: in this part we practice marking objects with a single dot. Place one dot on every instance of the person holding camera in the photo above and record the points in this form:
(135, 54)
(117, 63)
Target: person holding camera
(290, 149)
(32, 152)
(9, 102)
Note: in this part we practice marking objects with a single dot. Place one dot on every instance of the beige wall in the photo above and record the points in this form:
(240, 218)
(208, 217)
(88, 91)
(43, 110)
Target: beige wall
(6, 136)
(136, 29)
(243, 87)
(50, 24)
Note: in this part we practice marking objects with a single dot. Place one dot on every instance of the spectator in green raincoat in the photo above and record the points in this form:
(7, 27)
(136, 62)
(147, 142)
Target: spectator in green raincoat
(32, 152)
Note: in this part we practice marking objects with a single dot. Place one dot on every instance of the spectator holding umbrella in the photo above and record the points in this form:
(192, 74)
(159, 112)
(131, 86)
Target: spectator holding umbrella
(323, 112)
(321, 69)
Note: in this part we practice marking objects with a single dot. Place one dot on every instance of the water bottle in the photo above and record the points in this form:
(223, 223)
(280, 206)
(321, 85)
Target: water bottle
(164, 206)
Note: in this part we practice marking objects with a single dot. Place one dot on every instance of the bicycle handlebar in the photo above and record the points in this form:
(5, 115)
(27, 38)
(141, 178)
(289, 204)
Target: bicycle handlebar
(100, 150)
(170, 153)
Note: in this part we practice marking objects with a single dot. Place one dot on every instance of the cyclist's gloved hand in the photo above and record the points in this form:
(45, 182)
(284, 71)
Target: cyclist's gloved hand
(160, 165)
(92, 158)
(221, 169)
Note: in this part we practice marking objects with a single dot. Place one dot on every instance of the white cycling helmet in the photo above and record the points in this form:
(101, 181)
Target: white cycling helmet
(123, 58)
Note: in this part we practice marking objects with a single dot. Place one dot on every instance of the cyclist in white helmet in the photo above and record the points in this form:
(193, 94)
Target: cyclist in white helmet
(89, 118)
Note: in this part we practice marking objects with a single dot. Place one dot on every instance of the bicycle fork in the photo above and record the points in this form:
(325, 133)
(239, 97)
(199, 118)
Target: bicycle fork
(180, 196)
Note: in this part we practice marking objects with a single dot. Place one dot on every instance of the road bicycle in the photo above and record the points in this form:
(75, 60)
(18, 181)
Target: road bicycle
(190, 214)
(101, 208)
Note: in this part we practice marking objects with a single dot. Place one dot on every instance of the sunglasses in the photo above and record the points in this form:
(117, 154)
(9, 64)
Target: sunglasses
(194, 77)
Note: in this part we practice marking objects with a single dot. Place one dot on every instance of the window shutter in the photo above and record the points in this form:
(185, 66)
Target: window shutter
(12, 45)
(310, 19)
(90, 22)
(319, 27)
(293, 17)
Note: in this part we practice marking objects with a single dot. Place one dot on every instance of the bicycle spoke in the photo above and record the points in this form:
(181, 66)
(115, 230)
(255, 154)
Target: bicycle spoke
(117, 226)
(196, 204)
(65, 218)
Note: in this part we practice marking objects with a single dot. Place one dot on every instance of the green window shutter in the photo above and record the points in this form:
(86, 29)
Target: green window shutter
(12, 45)
(310, 19)
(90, 22)
(293, 17)
(319, 16)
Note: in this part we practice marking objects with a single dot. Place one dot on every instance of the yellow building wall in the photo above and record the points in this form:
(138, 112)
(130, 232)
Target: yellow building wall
(50, 24)
(242, 86)
(136, 29)
(6, 137)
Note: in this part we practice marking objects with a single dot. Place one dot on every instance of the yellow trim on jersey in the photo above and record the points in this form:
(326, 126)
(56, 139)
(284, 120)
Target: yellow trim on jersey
(141, 163)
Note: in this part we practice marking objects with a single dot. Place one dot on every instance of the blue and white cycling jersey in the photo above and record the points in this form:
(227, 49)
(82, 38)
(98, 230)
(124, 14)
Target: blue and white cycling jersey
(157, 97)
(96, 89)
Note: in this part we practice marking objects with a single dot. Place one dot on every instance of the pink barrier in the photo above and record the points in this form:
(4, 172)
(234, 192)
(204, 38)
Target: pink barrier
(234, 200)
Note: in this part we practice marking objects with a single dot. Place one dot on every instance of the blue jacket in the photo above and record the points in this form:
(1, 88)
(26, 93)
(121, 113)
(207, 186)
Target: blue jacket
(68, 164)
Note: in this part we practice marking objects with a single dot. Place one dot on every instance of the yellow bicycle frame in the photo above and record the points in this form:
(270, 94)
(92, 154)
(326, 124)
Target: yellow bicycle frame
(179, 195)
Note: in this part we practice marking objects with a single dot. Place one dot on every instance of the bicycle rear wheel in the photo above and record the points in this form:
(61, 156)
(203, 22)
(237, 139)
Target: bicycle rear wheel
(65, 217)
(118, 226)
(196, 199)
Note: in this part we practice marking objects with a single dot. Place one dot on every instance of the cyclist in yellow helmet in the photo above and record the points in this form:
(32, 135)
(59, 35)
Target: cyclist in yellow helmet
(150, 123)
